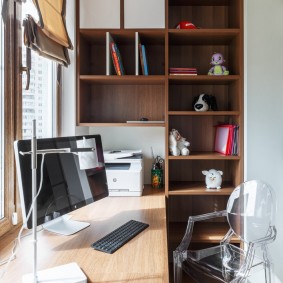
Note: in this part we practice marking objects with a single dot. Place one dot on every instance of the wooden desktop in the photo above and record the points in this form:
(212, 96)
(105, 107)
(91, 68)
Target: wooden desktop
(143, 259)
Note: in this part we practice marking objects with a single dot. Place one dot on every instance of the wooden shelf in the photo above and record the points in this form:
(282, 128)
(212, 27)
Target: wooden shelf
(204, 232)
(198, 3)
(207, 113)
(154, 36)
(122, 124)
(123, 80)
(202, 36)
(205, 156)
(197, 188)
(203, 79)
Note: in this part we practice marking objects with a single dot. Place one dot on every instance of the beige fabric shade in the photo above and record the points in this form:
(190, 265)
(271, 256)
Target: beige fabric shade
(49, 37)
(35, 39)
(52, 20)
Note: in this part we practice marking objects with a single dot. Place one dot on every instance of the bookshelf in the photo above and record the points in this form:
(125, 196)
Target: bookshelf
(221, 30)
(111, 100)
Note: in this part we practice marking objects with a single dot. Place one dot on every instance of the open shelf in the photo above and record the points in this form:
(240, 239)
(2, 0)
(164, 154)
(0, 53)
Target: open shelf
(123, 80)
(204, 156)
(204, 232)
(197, 188)
(202, 36)
(203, 79)
(111, 124)
(116, 103)
(207, 113)
(216, 14)
(199, 2)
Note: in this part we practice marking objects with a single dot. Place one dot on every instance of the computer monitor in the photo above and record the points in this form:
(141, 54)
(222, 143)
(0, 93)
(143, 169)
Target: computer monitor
(70, 180)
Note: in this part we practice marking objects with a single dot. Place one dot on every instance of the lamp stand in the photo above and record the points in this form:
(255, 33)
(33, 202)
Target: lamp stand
(68, 273)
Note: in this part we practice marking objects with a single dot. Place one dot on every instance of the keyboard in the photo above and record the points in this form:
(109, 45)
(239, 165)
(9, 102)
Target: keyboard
(119, 237)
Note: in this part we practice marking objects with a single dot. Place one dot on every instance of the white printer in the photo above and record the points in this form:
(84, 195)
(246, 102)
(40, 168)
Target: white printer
(124, 170)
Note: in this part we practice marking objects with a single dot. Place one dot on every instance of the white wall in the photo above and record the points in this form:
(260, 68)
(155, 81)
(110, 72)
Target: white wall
(264, 107)
(134, 138)
(68, 103)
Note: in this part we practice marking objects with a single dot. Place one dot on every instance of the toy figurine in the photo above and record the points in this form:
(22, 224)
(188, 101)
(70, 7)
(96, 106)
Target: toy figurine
(177, 144)
(217, 70)
(204, 102)
(213, 179)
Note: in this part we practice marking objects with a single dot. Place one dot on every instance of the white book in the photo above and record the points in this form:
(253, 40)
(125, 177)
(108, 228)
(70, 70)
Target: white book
(107, 53)
(137, 41)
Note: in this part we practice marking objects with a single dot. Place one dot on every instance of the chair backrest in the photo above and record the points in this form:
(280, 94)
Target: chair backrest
(251, 210)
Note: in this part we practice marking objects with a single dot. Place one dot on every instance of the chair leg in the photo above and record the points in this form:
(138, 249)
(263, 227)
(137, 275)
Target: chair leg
(268, 272)
(268, 266)
(178, 270)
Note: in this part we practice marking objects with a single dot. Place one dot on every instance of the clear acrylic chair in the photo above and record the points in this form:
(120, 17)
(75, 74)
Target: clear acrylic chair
(250, 213)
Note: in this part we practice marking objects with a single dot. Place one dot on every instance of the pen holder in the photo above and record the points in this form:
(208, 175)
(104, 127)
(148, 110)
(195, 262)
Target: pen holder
(156, 178)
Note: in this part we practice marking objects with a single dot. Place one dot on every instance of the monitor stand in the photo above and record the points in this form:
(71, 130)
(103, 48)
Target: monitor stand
(69, 273)
(63, 225)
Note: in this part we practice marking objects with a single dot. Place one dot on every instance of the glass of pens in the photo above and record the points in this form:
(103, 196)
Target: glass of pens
(157, 172)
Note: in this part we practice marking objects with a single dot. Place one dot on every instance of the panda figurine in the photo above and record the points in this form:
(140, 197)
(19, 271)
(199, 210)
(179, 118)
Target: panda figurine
(204, 102)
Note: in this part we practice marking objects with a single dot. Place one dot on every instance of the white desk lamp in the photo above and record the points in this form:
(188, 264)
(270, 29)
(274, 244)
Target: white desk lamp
(68, 273)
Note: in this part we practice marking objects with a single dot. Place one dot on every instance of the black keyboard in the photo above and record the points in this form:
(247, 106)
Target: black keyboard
(119, 237)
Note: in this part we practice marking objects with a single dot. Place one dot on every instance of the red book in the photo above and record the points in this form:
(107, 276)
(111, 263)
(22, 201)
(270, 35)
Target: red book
(115, 59)
(224, 139)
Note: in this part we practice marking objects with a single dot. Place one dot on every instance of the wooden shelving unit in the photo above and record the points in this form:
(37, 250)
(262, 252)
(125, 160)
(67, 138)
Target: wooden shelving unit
(221, 30)
(111, 100)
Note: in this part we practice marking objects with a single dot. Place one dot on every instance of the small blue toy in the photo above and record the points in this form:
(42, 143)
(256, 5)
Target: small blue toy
(217, 70)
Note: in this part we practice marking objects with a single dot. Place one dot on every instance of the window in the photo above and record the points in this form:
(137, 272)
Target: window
(39, 100)
(2, 119)
(18, 108)
(8, 88)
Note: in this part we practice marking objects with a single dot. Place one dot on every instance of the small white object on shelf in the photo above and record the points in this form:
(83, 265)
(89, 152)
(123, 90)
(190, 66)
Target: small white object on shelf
(213, 179)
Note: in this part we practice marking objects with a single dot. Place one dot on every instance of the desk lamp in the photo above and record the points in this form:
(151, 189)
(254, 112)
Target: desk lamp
(68, 273)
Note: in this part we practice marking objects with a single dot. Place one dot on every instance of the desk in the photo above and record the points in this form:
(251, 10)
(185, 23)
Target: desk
(142, 260)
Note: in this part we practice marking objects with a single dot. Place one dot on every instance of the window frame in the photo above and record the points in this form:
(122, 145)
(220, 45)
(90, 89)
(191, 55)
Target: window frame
(12, 106)
(13, 110)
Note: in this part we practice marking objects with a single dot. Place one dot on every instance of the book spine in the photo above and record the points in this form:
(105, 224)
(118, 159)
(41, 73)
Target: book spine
(136, 53)
(141, 57)
(115, 59)
(144, 61)
(107, 53)
(119, 58)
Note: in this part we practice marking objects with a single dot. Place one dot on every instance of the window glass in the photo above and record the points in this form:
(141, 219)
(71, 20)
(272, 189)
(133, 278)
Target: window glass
(38, 102)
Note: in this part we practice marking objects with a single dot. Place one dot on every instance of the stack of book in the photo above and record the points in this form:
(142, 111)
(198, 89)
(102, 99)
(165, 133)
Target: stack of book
(226, 139)
(183, 71)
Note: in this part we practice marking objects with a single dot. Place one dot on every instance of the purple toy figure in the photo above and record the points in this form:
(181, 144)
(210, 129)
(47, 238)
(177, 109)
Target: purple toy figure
(217, 70)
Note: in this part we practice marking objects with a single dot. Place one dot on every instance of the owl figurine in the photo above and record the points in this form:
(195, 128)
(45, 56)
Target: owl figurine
(213, 179)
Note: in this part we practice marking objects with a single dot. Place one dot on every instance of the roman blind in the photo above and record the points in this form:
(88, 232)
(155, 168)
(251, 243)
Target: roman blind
(52, 20)
(49, 36)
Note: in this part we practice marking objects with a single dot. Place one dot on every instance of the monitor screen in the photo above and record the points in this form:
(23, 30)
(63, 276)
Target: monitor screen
(70, 180)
